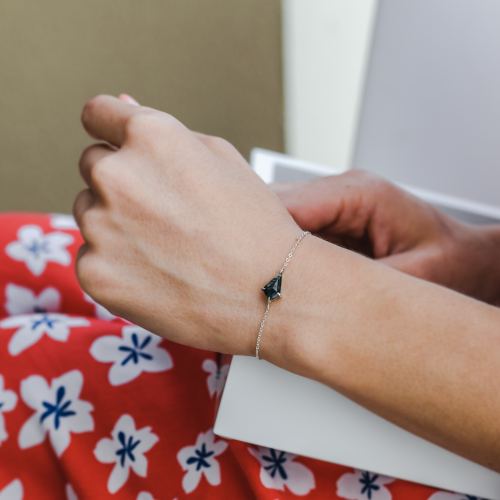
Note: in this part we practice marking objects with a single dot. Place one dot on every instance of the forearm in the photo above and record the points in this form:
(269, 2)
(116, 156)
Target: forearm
(424, 357)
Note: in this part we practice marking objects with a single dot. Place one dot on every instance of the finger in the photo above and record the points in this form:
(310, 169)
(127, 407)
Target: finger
(90, 157)
(81, 252)
(222, 148)
(342, 205)
(106, 117)
(129, 99)
(83, 202)
(331, 204)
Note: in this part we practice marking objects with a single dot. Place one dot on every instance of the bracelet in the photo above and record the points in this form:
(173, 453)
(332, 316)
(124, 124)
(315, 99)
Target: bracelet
(273, 290)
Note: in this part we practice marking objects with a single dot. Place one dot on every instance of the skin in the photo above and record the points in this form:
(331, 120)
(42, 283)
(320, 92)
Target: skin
(367, 214)
(181, 235)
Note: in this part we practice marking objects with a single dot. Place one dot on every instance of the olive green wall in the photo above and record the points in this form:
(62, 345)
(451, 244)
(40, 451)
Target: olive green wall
(213, 64)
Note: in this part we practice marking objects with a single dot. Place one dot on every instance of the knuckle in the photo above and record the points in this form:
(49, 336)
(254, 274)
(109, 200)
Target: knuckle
(167, 121)
(225, 146)
(139, 119)
(366, 179)
(102, 174)
(80, 204)
(91, 273)
(149, 123)
(218, 142)
(90, 107)
(88, 223)
(86, 152)
(358, 175)
(86, 156)
(86, 269)
(139, 122)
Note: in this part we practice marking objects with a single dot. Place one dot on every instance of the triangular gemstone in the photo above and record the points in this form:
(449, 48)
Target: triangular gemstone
(273, 288)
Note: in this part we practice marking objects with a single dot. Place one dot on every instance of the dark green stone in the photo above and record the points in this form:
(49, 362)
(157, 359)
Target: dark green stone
(273, 288)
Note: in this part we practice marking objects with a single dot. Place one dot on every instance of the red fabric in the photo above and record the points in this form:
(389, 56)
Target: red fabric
(172, 408)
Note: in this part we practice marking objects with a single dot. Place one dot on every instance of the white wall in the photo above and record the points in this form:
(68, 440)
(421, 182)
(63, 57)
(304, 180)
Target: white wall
(325, 47)
(432, 102)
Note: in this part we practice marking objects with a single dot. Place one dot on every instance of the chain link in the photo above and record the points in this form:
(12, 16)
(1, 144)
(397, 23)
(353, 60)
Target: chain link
(261, 328)
(269, 300)
(293, 250)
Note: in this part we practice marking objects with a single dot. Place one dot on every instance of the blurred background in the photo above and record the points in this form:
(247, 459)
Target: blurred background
(216, 66)
(409, 89)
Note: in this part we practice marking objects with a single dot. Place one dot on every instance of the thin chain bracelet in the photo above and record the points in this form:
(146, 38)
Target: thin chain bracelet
(273, 290)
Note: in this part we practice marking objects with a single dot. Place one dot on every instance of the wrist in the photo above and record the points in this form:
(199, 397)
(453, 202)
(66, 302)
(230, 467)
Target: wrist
(299, 321)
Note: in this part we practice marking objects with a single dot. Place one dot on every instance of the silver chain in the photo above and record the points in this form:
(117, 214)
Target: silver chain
(293, 250)
(262, 328)
(269, 300)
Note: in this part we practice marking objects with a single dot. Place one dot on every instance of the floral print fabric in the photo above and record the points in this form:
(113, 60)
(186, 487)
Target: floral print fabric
(92, 407)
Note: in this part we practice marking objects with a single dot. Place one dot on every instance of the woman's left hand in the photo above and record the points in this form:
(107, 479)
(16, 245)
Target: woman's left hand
(366, 213)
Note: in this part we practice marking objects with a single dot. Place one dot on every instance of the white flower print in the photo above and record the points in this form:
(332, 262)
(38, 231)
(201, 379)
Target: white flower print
(363, 485)
(100, 311)
(279, 470)
(64, 221)
(59, 411)
(217, 378)
(35, 249)
(127, 450)
(143, 495)
(8, 401)
(446, 495)
(200, 460)
(22, 300)
(70, 493)
(135, 352)
(13, 491)
(32, 327)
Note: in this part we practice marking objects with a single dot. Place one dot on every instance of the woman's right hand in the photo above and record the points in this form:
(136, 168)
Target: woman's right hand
(180, 234)
(363, 212)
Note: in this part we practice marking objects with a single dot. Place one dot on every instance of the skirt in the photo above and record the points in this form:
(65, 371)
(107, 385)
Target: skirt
(93, 407)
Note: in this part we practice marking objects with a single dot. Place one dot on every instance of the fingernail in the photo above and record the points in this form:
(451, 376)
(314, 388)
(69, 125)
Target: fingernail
(129, 99)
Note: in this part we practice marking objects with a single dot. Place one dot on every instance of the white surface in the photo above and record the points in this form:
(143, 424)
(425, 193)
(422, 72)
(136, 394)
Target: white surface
(432, 100)
(445, 200)
(264, 162)
(325, 47)
(267, 406)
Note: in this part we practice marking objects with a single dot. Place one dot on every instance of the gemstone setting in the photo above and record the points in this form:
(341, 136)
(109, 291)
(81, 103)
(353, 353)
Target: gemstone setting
(273, 288)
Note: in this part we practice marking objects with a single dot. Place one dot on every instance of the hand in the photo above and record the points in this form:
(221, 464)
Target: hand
(363, 212)
(180, 233)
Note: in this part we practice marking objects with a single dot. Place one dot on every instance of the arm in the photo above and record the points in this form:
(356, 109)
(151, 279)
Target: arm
(419, 355)
(433, 352)
(181, 235)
